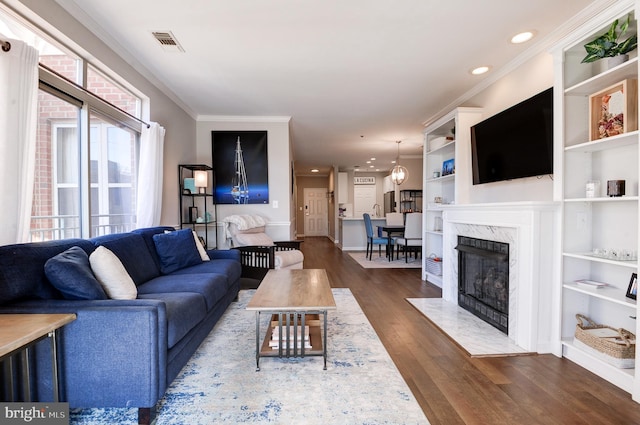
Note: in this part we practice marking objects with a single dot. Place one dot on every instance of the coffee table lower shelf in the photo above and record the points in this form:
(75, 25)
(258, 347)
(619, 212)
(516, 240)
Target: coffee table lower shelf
(317, 338)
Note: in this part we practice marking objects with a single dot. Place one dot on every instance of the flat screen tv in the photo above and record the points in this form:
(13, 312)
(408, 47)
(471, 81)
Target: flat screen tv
(515, 143)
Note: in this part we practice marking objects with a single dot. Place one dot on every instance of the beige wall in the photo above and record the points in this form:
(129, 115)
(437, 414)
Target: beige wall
(414, 166)
(303, 182)
(527, 80)
(281, 226)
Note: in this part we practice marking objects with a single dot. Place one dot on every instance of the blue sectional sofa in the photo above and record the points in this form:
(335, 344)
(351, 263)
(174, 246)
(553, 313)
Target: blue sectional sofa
(121, 352)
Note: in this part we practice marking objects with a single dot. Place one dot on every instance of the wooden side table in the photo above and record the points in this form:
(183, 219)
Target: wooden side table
(18, 332)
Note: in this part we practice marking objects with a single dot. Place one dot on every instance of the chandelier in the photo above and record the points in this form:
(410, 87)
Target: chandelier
(399, 173)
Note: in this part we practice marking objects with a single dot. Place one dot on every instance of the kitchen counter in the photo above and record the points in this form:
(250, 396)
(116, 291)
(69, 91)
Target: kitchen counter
(353, 236)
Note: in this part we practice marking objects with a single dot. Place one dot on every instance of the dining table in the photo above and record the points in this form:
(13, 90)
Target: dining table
(391, 230)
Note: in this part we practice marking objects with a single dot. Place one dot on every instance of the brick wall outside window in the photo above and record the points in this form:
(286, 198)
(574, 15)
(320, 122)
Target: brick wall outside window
(52, 111)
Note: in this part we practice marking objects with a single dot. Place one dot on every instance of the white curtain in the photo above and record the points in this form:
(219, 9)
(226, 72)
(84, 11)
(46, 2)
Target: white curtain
(18, 124)
(150, 174)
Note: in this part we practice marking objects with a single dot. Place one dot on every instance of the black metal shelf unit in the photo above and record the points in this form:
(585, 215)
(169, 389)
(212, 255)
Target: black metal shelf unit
(410, 201)
(197, 203)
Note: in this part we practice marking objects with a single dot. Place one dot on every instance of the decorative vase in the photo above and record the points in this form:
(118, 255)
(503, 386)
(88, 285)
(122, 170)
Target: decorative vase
(616, 60)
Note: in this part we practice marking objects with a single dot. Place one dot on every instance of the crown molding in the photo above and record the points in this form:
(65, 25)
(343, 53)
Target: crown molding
(243, 118)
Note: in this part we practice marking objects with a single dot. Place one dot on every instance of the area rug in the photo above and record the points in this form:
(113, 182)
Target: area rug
(383, 262)
(220, 384)
(474, 335)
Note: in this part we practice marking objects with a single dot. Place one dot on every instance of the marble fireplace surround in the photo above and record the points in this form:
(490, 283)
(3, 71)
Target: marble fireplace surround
(528, 228)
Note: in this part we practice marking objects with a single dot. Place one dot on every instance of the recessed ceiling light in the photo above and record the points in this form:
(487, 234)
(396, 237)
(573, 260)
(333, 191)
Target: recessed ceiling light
(315, 170)
(480, 70)
(373, 159)
(368, 162)
(522, 37)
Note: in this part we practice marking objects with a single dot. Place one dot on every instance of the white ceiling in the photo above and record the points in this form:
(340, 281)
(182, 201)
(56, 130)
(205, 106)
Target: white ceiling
(353, 75)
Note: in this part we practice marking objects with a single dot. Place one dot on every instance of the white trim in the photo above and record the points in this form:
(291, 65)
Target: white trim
(243, 118)
(528, 227)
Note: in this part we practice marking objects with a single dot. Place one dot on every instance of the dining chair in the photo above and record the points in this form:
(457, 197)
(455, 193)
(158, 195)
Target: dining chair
(412, 238)
(393, 219)
(373, 239)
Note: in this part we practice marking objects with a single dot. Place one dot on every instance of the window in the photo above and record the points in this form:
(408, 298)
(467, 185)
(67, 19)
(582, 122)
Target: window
(113, 153)
(56, 198)
(87, 149)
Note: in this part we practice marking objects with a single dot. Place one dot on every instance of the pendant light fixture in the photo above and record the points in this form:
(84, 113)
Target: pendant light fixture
(399, 173)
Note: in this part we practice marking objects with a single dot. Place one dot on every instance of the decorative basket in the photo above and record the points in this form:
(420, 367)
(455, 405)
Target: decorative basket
(434, 265)
(619, 350)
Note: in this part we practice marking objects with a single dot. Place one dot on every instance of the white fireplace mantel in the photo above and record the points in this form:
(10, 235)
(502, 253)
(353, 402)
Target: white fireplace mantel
(528, 228)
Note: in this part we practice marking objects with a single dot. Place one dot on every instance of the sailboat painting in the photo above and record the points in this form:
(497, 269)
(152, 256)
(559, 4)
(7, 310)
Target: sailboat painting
(240, 167)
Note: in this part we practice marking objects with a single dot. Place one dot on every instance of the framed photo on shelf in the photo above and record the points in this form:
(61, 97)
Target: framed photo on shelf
(193, 214)
(448, 167)
(614, 110)
(190, 186)
(632, 290)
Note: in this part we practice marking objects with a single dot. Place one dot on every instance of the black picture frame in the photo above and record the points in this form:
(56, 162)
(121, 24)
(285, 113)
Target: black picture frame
(632, 289)
(193, 214)
(254, 153)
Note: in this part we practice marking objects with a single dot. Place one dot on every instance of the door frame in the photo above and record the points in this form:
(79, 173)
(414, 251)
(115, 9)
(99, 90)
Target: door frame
(325, 217)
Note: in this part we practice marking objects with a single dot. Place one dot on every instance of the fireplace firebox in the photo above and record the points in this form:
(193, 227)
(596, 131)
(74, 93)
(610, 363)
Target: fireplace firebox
(483, 280)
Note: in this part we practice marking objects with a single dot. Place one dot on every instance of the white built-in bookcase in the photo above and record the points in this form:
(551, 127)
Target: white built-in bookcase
(452, 188)
(599, 222)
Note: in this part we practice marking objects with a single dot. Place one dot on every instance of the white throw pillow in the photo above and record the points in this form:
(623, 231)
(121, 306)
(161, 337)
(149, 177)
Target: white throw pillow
(234, 230)
(284, 259)
(112, 275)
(201, 250)
(252, 239)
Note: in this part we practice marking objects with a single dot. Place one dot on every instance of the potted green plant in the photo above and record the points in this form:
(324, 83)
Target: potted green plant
(607, 45)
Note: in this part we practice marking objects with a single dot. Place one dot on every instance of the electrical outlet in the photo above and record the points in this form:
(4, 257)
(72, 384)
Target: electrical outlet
(275, 204)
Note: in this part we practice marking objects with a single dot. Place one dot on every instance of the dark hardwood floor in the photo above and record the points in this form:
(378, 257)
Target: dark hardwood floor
(453, 388)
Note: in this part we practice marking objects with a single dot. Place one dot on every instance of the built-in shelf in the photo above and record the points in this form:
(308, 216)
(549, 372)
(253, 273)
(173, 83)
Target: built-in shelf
(435, 279)
(608, 293)
(449, 189)
(618, 141)
(607, 78)
(591, 257)
(604, 199)
(433, 232)
(623, 378)
(600, 221)
(442, 178)
(450, 144)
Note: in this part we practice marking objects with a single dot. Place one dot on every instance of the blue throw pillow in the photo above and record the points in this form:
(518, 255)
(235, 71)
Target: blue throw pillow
(70, 273)
(176, 250)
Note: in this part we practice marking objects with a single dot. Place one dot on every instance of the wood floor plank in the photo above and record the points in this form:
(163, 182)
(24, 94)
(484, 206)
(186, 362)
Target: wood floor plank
(451, 387)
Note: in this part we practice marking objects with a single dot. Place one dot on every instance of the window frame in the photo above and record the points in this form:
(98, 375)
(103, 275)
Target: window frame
(76, 93)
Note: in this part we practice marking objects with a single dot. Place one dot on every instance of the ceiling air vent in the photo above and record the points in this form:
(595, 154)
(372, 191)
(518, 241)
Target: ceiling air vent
(168, 41)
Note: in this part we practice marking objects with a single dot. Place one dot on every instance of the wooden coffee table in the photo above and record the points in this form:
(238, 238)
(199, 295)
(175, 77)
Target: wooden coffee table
(295, 299)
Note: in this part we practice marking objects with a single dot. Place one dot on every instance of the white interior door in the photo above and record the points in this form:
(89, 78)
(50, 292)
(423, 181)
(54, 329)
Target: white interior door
(316, 215)
(364, 198)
